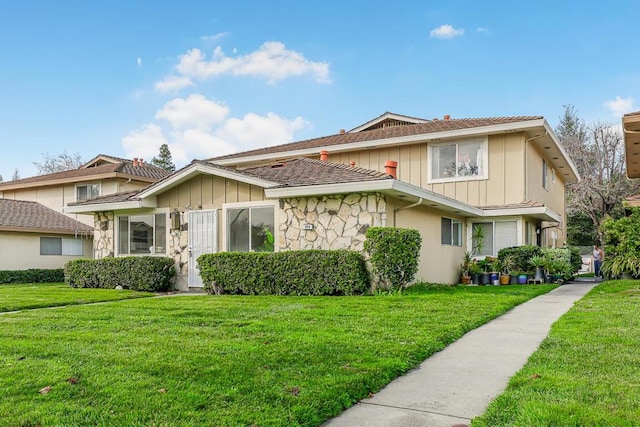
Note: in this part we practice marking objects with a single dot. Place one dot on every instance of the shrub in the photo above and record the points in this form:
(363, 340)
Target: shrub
(521, 254)
(622, 244)
(145, 273)
(575, 259)
(32, 275)
(305, 272)
(394, 254)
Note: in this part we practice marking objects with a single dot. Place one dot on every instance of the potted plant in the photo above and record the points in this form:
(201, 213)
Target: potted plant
(485, 276)
(476, 271)
(507, 265)
(477, 236)
(621, 266)
(495, 271)
(538, 262)
(464, 268)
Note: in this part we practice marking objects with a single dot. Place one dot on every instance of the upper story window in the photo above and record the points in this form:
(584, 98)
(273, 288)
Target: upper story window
(545, 175)
(88, 191)
(450, 232)
(458, 161)
(142, 234)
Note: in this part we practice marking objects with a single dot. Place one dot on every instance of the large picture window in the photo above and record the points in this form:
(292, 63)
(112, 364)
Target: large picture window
(250, 229)
(458, 161)
(451, 232)
(489, 237)
(142, 234)
(60, 246)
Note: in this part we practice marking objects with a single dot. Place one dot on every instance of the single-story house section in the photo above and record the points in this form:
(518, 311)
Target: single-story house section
(34, 236)
(305, 203)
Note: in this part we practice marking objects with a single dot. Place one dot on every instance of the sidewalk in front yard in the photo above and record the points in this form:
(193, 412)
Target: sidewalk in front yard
(457, 384)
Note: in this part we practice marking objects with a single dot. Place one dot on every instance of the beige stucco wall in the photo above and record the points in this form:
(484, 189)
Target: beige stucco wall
(438, 263)
(554, 197)
(21, 251)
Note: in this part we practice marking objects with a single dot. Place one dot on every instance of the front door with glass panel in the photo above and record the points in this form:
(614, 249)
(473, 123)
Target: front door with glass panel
(203, 239)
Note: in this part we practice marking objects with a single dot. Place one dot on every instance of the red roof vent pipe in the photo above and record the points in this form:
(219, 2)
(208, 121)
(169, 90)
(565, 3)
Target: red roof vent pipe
(390, 168)
(324, 155)
(342, 132)
(352, 164)
(447, 117)
(141, 161)
(135, 161)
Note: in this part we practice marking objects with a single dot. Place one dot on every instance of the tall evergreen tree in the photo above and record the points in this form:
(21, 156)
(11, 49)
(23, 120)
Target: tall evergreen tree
(164, 159)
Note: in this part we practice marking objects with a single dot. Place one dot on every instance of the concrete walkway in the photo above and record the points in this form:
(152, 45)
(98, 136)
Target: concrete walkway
(458, 383)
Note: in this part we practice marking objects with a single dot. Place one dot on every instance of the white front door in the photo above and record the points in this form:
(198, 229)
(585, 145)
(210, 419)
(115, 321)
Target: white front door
(203, 239)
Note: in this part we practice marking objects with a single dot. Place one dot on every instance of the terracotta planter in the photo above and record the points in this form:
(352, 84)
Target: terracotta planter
(504, 279)
(466, 280)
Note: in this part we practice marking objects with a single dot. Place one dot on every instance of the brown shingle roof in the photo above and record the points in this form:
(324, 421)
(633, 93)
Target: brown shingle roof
(386, 133)
(146, 171)
(20, 214)
(111, 198)
(514, 206)
(305, 171)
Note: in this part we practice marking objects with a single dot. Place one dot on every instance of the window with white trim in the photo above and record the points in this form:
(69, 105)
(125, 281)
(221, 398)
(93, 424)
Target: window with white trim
(458, 161)
(88, 191)
(60, 246)
(545, 177)
(250, 228)
(142, 234)
(450, 232)
(497, 235)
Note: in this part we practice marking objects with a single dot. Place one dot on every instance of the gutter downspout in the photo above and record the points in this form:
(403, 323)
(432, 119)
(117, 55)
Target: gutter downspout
(526, 175)
(413, 205)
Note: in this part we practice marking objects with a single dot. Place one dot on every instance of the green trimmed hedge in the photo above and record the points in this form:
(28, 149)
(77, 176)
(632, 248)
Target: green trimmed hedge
(522, 255)
(32, 275)
(305, 272)
(394, 254)
(144, 273)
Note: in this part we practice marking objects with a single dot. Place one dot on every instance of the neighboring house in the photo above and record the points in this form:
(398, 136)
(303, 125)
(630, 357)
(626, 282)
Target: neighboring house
(503, 175)
(34, 236)
(631, 130)
(101, 175)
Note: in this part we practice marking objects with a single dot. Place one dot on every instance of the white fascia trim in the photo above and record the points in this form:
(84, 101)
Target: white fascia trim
(198, 168)
(425, 137)
(370, 186)
(101, 207)
(541, 210)
(562, 151)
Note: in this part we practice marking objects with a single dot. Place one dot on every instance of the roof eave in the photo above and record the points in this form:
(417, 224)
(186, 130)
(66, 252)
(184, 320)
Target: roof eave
(44, 230)
(149, 202)
(424, 137)
(542, 213)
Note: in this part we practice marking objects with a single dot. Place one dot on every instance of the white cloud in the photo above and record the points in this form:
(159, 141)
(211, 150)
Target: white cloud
(214, 37)
(446, 31)
(144, 142)
(139, 61)
(172, 83)
(201, 128)
(272, 61)
(620, 106)
(195, 111)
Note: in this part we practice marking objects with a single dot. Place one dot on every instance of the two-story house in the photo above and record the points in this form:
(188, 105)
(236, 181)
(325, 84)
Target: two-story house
(35, 232)
(444, 177)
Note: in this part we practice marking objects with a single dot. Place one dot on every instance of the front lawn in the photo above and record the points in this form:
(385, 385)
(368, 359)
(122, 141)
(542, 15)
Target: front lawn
(586, 372)
(37, 295)
(226, 361)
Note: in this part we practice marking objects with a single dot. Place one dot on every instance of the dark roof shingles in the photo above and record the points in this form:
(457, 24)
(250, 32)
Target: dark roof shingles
(33, 215)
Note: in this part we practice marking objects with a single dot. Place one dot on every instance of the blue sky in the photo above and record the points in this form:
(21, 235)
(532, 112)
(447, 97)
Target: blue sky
(210, 78)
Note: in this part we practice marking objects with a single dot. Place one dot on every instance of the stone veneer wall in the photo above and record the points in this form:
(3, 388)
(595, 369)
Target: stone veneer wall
(103, 235)
(339, 221)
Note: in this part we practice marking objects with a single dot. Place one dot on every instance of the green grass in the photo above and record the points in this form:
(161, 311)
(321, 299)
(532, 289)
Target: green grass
(586, 372)
(227, 361)
(39, 295)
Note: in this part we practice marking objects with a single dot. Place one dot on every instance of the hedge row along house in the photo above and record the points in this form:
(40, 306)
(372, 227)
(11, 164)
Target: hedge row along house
(34, 230)
(444, 177)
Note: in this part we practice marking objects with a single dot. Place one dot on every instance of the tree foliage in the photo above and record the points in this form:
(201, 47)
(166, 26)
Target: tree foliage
(58, 163)
(164, 159)
(597, 150)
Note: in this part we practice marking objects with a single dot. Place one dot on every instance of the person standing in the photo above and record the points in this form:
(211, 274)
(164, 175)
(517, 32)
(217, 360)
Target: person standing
(598, 257)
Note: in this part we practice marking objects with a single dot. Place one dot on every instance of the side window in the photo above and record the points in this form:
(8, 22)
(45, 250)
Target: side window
(451, 232)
